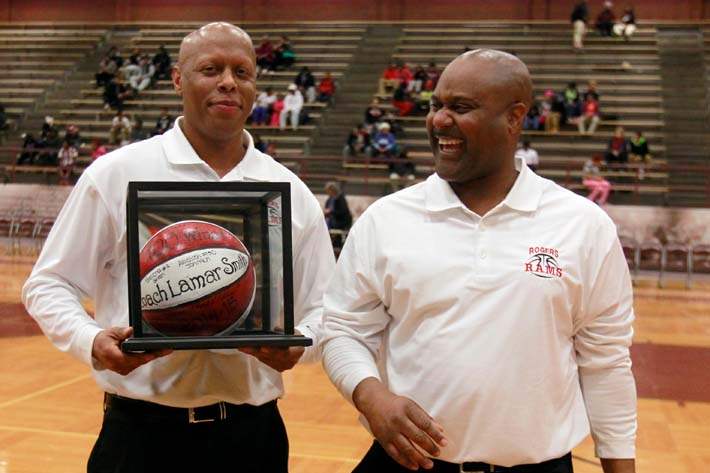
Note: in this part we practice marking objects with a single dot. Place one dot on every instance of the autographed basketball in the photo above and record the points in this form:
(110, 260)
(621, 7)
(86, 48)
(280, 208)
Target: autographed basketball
(197, 279)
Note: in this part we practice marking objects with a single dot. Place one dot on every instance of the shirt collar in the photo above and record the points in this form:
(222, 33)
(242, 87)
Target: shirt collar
(178, 150)
(524, 196)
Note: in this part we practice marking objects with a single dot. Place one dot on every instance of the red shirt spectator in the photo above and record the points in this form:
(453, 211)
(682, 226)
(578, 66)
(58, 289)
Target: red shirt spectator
(391, 73)
(326, 88)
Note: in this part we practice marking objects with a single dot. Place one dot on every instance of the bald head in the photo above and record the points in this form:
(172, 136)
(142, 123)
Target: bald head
(500, 70)
(212, 32)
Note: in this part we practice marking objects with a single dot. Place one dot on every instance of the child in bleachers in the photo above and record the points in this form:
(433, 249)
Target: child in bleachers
(599, 188)
(264, 103)
(276, 110)
(326, 88)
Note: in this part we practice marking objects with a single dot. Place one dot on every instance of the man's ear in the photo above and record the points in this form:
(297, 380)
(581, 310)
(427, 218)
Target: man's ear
(177, 79)
(516, 115)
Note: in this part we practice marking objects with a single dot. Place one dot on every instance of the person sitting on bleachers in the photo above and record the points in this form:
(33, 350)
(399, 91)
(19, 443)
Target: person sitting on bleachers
(120, 129)
(418, 80)
(29, 152)
(135, 57)
(162, 63)
(276, 110)
(599, 188)
(374, 112)
(262, 107)
(49, 142)
(98, 149)
(115, 92)
(627, 26)
(72, 136)
(143, 77)
(108, 66)
(293, 103)
(551, 111)
(306, 82)
(265, 55)
(617, 150)
(138, 133)
(638, 149)
(590, 115)
(433, 73)
(326, 88)
(423, 99)
(591, 91)
(163, 123)
(284, 55)
(571, 102)
(605, 20)
(384, 144)
(400, 169)
(66, 157)
(402, 101)
(532, 119)
(358, 142)
(405, 75)
(529, 155)
(389, 80)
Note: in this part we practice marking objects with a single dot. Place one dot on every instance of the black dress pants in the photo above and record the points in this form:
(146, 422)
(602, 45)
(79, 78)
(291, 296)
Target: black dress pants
(377, 460)
(141, 437)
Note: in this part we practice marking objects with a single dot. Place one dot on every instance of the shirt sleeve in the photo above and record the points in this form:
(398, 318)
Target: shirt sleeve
(602, 340)
(313, 263)
(354, 315)
(77, 248)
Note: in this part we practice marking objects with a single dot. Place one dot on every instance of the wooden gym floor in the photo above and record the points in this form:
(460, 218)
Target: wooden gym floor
(50, 408)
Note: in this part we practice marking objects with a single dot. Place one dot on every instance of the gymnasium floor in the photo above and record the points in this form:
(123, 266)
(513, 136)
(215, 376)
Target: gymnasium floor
(50, 409)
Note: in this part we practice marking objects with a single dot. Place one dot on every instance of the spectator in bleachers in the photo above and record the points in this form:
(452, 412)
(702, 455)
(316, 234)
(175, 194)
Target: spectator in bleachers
(162, 63)
(395, 125)
(551, 111)
(400, 169)
(120, 129)
(265, 55)
(572, 102)
(579, 19)
(532, 118)
(262, 107)
(66, 158)
(605, 20)
(276, 110)
(72, 136)
(108, 67)
(29, 152)
(138, 133)
(336, 211)
(358, 142)
(98, 149)
(529, 155)
(405, 75)
(590, 115)
(374, 112)
(284, 55)
(417, 83)
(638, 149)
(144, 76)
(389, 80)
(591, 91)
(163, 123)
(293, 103)
(49, 142)
(617, 150)
(326, 88)
(402, 100)
(599, 188)
(384, 144)
(423, 99)
(135, 57)
(115, 92)
(627, 26)
(306, 82)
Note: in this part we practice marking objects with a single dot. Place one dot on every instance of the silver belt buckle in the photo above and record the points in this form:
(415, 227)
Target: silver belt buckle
(193, 420)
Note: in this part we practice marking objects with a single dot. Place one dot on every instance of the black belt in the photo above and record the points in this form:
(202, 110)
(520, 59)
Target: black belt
(478, 467)
(189, 415)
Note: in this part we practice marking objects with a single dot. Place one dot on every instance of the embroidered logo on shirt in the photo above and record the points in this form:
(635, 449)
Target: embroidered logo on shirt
(542, 262)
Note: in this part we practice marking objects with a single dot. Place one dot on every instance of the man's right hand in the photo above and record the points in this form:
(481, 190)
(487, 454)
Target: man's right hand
(106, 350)
(402, 427)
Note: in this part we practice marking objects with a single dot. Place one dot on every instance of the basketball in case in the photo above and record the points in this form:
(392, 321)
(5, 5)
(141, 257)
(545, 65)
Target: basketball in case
(197, 279)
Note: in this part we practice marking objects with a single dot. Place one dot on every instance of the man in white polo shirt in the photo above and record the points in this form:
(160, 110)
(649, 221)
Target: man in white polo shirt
(481, 320)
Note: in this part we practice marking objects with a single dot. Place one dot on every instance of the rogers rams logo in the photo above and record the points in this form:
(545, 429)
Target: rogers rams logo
(542, 262)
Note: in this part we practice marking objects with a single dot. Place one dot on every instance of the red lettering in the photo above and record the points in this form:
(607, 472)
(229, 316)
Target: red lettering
(528, 268)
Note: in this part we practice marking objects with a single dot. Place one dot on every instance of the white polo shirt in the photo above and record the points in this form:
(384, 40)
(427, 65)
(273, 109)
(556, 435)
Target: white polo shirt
(85, 256)
(512, 329)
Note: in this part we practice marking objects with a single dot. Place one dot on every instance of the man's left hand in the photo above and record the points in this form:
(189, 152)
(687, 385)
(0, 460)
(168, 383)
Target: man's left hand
(278, 358)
